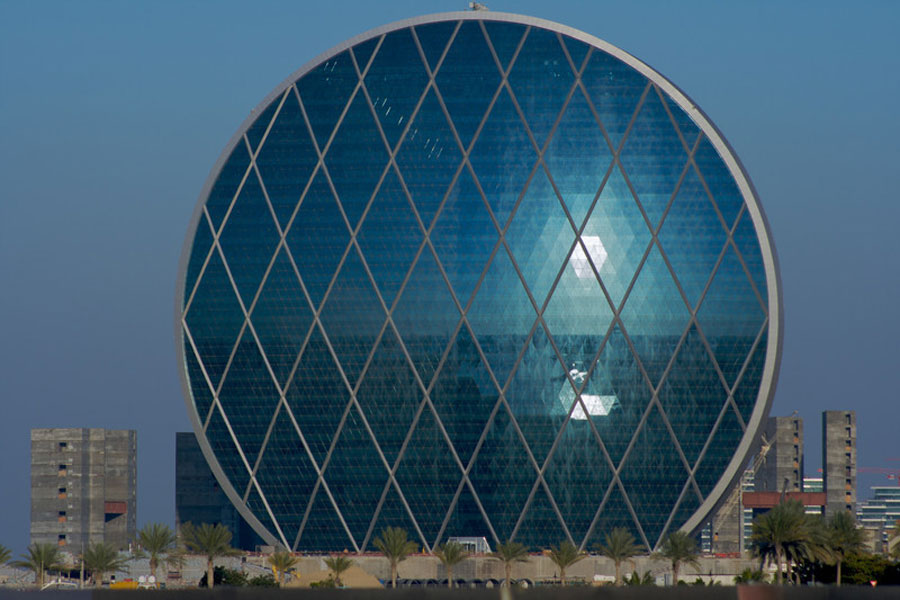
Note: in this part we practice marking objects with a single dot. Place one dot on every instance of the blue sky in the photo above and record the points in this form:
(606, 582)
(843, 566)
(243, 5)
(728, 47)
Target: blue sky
(113, 113)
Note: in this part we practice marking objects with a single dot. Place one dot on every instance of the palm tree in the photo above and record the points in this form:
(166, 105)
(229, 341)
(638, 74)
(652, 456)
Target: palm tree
(338, 564)
(102, 558)
(678, 548)
(785, 525)
(282, 562)
(40, 559)
(395, 546)
(564, 557)
(157, 540)
(211, 541)
(5, 554)
(619, 545)
(510, 552)
(749, 576)
(842, 538)
(450, 554)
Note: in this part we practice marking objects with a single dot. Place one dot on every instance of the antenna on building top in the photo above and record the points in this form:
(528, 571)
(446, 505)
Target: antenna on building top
(477, 6)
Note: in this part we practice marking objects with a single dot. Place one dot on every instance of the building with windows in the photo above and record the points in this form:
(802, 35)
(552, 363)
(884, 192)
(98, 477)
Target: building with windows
(477, 275)
(839, 460)
(199, 498)
(83, 487)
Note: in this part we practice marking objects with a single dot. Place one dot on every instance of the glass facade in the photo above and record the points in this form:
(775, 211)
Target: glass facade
(474, 276)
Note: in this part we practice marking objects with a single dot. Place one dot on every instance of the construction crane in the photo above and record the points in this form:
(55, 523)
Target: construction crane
(893, 474)
(735, 496)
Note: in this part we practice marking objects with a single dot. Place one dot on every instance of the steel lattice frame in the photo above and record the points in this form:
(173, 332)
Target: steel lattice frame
(771, 330)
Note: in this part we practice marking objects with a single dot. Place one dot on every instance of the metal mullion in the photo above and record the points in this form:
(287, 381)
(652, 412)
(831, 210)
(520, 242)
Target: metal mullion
(321, 483)
(675, 126)
(271, 514)
(217, 232)
(725, 407)
(743, 370)
(681, 497)
(263, 446)
(212, 391)
(440, 62)
(203, 265)
(740, 258)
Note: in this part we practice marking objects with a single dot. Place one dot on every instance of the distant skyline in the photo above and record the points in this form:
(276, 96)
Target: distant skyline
(113, 115)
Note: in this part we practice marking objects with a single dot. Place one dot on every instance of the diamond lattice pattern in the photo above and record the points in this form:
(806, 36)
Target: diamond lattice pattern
(473, 278)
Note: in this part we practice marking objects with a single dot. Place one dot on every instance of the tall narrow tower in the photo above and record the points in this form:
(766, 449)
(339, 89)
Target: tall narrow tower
(839, 460)
(782, 468)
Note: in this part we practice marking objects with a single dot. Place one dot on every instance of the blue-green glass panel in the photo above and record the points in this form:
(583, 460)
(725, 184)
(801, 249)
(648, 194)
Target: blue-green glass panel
(577, 51)
(433, 38)
(256, 131)
(248, 396)
(503, 158)
(747, 391)
(463, 237)
(692, 237)
(351, 317)
(687, 127)
(653, 157)
(540, 523)
(226, 452)
(325, 91)
(356, 159)
(323, 530)
(686, 508)
(578, 476)
(616, 230)
(317, 396)
(718, 178)
(692, 396)
(502, 475)
(578, 314)
(281, 317)
(747, 243)
(200, 393)
(248, 239)
(719, 453)
(389, 237)
(468, 79)
(615, 513)
(464, 395)
(578, 157)
(214, 318)
(256, 505)
(730, 316)
(541, 78)
(505, 38)
(655, 316)
(389, 396)
(653, 476)
(615, 90)
(539, 395)
(393, 514)
(227, 183)
(467, 520)
(428, 475)
(363, 52)
(428, 158)
(395, 81)
(286, 476)
(200, 249)
(426, 316)
(286, 159)
(617, 377)
(318, 238)
(540, 237)
(356, 476)
(501, 316)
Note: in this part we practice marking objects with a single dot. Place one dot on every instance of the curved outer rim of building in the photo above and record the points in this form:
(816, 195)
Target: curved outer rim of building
(771, 368)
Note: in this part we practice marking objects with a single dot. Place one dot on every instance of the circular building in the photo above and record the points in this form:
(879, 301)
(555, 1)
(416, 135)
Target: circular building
(477, 274)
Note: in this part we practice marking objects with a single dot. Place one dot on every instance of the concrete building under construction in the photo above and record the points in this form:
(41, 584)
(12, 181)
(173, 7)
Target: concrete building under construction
(83, 487)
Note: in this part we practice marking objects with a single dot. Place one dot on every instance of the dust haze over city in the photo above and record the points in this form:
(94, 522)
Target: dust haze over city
(114, 114)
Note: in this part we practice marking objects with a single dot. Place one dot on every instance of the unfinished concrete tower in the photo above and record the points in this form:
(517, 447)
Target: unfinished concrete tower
(83, 487)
